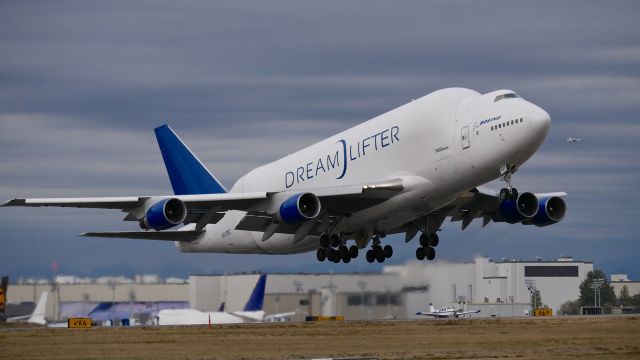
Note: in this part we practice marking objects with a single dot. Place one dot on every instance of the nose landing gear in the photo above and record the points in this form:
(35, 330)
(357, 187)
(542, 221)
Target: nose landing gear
(509, 192)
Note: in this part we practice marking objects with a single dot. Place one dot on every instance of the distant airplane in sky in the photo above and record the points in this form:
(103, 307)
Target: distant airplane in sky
(572, 140)
(404, 171)
(447, 312)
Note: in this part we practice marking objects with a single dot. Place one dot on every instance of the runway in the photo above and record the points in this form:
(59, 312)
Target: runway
(522, 338)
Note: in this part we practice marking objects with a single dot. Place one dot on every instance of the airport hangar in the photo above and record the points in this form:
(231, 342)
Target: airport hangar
(497, 288)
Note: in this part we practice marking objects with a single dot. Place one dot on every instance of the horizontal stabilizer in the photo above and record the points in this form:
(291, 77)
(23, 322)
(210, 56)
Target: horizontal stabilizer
(148, 235)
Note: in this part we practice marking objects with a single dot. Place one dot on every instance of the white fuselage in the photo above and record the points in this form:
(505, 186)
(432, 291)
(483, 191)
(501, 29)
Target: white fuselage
(195, 317)
(439, 145)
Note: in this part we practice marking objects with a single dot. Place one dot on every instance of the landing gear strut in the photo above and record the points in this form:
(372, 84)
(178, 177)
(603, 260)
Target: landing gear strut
(428, 242)
(508, 193)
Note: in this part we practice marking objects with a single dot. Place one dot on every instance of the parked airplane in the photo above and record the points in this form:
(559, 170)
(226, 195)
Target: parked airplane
(446, 312)
(404, 171)
(252, 312)
(38, 314)
(572, 140)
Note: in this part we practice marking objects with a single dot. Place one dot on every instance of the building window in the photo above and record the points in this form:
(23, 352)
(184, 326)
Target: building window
(354, 300)
(550, 271)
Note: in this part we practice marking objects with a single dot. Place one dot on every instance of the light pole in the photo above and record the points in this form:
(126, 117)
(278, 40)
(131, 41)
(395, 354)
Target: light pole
(596, 285)
(531, 285)
(511, 298)
(362, 284)
(112, 285)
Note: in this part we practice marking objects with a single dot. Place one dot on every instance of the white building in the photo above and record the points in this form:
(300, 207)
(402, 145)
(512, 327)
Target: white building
(497, 288)
(490, 285)
(618, 281)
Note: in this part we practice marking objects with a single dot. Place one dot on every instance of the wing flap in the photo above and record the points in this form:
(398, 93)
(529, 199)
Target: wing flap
(182, 236)
(123, 203)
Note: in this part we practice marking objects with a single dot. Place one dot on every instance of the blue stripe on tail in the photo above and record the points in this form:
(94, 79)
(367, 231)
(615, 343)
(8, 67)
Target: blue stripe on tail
(257, 296)
(187, 174)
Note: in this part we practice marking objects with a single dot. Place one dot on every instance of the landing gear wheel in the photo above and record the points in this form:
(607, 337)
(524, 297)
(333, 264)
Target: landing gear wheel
(324, 240)
(420, 253)
(371, 256)
(424, 239)
(380, 256)
(335, 240)
(321, 255)
(353, 251)
(431, 253)
(333, 256)
(388, 251)
(435, 240)
(514, 194)
(504, 194)
(344, 254)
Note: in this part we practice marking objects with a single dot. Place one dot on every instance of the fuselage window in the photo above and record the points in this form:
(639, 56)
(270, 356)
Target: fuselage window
(511, 122)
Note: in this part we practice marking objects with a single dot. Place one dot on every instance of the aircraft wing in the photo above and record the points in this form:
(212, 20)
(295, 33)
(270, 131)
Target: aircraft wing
(210, 208)
(430, 314)
(475, 311)
(480, 202)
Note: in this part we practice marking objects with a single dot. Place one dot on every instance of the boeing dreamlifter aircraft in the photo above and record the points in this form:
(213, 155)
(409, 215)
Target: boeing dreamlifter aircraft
(404, 171)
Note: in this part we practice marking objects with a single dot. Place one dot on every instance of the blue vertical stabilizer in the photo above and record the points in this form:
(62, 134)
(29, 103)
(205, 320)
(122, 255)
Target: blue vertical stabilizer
(187, 174)
(257, 296)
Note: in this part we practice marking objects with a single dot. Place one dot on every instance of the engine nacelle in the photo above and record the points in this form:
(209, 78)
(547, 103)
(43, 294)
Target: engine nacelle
(299, 208)
(525, 207)
(550, 211)
(164, 214)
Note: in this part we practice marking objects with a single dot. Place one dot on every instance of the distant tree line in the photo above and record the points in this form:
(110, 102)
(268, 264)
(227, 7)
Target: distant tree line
(608, 296)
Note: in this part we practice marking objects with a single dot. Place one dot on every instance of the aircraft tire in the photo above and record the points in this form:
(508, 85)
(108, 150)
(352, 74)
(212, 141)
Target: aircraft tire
(420, 253)
(514, 194)
(333, 255)
(435, 240)
(335, 240)
(380, 256)
(371, 256)
(344, 252)
(388, 251)
(424, 239)
(431, 253)
(321, 254)
(353, 251)
(324, 241)
(504, 194)
(346, 259)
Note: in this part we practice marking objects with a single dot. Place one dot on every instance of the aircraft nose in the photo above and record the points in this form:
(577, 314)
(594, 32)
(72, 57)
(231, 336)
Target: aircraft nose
(540, 120)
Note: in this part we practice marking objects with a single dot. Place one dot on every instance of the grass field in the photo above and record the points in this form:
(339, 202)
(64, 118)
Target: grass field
(521, 338)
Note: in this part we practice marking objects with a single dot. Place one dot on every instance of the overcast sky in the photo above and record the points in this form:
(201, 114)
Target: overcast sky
(83, 84)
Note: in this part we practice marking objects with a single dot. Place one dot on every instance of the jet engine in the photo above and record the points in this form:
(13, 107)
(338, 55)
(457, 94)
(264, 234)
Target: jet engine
(164, 214)
(523, 208)
(299, 208)
(550, 211)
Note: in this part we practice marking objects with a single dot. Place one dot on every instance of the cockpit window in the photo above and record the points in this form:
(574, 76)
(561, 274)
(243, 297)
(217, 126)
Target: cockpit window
(506, 96)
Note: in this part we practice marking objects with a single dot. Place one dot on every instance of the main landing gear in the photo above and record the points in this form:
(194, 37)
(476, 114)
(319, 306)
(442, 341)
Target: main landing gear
(377, 252)
(427, 244)
(333, 248)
